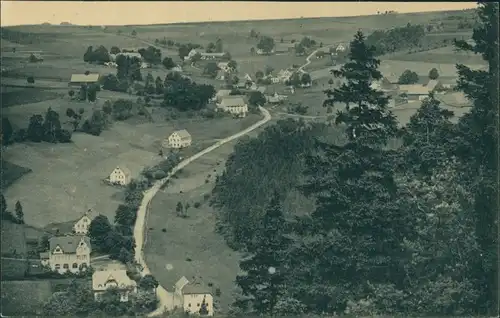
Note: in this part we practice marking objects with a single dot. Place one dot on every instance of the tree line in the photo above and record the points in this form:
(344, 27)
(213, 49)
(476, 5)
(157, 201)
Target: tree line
(395, 39)
(406, 229)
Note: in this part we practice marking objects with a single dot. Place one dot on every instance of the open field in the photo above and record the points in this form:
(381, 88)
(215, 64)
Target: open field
(444, 55)
(11, 173)
(16, 293)
(67, 177)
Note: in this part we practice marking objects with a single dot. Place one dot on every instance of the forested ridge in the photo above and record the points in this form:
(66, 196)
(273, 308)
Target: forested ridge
(406, 231)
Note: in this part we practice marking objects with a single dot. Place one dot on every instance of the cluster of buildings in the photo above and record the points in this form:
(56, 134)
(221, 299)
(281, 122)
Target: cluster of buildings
(403, 93)
(69, 248)
(206, 55)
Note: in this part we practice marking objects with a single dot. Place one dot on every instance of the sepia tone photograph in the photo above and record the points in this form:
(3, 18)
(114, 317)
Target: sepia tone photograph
(249, 159)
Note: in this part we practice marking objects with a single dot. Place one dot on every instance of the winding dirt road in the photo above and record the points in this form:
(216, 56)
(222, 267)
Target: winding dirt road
(166, 298)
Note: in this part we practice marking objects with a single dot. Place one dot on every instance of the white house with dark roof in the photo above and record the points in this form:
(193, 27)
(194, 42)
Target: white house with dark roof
(235, 105)
(67, 253)
(118, 278)
(82, 225)
(195, 295)
(120, 175)
(178, 139)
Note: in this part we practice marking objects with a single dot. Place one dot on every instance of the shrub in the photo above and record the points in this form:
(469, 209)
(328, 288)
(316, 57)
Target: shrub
(197, 204)
(159, 174)
(164, 230)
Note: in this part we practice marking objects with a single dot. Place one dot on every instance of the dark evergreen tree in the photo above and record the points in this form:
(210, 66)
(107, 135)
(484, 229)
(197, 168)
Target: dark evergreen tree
(266, 268)
(354, 234)
(366, 114)
(19, 212)
(477, 146)
(99, 230)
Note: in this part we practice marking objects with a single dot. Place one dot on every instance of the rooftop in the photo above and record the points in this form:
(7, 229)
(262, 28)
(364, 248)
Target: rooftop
(100, 278)
(91, 78)
(195, 287)
(125, 170)
(231, 101)
(414, 89)
(183, 133)
(67, 243)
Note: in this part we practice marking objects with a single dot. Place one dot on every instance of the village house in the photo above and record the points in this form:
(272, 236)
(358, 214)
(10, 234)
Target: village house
(221, 75)
(284, 75)
(67, 253)
(176, 68)
(120, 175)
(415, 91)
(220, 94)
(224, 66)
(434, 85)
(262, 52)
(205, 55)
(284, 47)
(247, 77)
(341, 48)
(178, 139)
(83, 79)
(117, 278)
(194, 296)
(235, 105)
(82, 225)
(384, 84)
(276, 98)
(35, 57)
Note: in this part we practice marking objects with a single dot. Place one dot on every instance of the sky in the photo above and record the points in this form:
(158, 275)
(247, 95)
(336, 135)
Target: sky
(141, 12)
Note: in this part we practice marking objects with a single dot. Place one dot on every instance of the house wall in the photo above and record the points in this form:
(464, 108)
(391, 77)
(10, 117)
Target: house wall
(175, 141)
(124, 294)
(117, 176)
(82, 226)
(238, 110)
(192, 303)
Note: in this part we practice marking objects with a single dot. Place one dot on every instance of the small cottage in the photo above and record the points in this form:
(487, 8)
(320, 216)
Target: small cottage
(103, 280)
(120, 175)
(235, 105)
(82, 225)
(178, 139)
(196, 297)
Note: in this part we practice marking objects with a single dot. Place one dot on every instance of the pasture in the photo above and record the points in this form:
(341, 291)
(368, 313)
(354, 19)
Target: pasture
(67, 177)
(444, 55)
(16, 293)
(190, 244)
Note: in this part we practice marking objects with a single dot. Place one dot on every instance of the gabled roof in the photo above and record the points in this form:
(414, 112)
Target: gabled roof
(100, 278)
(231, 101)
(91, 78)
(183, 133)
(223, 92)
(414, 89)
(181, 283)
(222, 64)
(432, 84)
(220, 54)
(195, 288)
(68, 243)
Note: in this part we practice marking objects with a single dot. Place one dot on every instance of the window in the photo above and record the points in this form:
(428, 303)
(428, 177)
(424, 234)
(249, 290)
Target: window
(66, 266)
(189, 305)
(75, 265)
(198, 305)
(58, 266)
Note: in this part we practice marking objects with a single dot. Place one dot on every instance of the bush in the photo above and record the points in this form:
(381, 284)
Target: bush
(164, 230)
(159, 174)
(30, 80)
(197, 204)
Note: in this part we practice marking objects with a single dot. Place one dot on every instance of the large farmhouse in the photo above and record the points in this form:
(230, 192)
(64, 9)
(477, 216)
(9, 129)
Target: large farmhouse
(67, 253)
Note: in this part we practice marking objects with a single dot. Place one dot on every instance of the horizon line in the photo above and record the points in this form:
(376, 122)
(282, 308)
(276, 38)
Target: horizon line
(236, 20)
